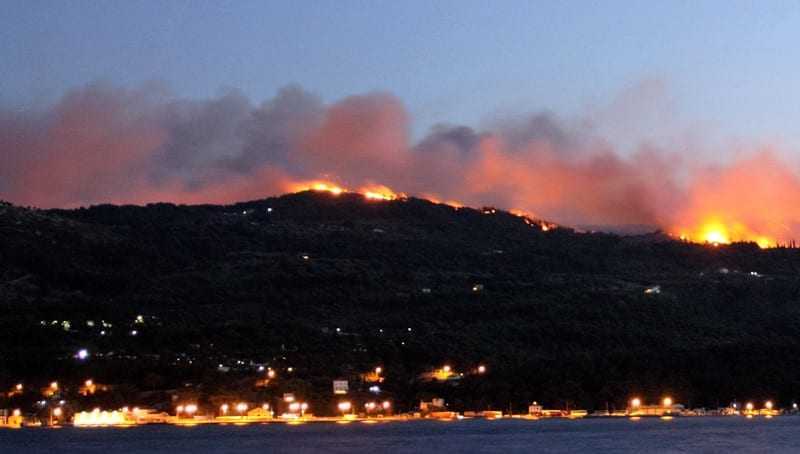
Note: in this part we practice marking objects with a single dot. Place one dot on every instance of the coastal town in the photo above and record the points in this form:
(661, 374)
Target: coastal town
(54, 409)
(295, 412)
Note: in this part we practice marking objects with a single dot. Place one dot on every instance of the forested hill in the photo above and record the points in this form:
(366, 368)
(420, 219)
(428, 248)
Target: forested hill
(334, 285)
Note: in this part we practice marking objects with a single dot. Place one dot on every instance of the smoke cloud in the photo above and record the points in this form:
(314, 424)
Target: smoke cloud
(103, 144)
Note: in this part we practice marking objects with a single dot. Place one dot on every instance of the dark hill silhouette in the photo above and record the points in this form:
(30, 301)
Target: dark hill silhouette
(558, 316)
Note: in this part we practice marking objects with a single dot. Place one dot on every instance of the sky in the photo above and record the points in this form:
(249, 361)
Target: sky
(678, 115)
(731, 64)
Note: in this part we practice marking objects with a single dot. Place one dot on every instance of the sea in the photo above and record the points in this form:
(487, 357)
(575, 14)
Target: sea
(707, 435)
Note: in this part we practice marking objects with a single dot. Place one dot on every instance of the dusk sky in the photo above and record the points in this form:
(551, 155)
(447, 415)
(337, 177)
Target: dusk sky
(731, 64)
(671, 114)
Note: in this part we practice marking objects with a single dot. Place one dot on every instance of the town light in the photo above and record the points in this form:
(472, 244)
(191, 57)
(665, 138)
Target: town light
(446, 368)
(378, 370)
(54, 385)
(636, 402)
(57, 412)
(667, 401)
(17, 412)
(224, 409)
(190, 409)
(294, 406)
(386, 404)
(82, 354)
(345, 406)
(481, 369)
(88, 383)
(241, 407)
(19, 387)
(768, 405)
(179, 409)
(370, 406)
(749, 406)
(271, 373)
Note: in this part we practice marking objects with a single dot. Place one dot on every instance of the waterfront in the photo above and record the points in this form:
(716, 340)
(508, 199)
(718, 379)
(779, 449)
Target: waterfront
(712, 434)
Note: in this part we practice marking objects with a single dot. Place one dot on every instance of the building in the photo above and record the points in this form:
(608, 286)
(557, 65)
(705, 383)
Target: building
(434, 405)
(656, 410)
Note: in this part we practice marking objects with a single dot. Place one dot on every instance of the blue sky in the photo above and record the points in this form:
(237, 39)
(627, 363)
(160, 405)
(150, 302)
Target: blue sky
(731, 64)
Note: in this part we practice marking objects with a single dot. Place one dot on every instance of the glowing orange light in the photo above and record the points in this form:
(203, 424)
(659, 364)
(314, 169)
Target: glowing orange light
(716, 231)
(379, 192)
(319, 186)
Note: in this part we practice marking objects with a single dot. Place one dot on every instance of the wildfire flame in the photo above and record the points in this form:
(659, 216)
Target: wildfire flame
(716, 232)
(380, 192)
(370, 192)
(713, 229)
(438, 200)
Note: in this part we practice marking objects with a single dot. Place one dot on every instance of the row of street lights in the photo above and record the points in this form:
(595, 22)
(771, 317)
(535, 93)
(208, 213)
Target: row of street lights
(667, 402)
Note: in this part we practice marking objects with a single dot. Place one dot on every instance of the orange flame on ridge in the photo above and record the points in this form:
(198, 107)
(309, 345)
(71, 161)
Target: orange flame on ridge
(712, 230)
(370, 192)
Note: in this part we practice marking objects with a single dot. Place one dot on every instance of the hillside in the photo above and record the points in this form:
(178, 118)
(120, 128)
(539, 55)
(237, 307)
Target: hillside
(334, 285)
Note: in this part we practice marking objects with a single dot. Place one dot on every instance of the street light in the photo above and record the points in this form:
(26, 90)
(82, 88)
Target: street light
(768, 405)
(636, 402)
(344, 407)
(241, 407)
(303, 408)
(667, 402)
(224, 409)
(190, 409)
(386, 404)
(481, 369)
(378, 370)
(55, 414)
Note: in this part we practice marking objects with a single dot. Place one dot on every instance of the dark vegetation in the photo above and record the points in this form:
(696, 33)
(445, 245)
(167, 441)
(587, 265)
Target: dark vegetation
(562, 317)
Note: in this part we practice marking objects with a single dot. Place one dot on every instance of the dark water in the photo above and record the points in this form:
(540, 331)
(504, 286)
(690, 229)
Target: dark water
(781, 434)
